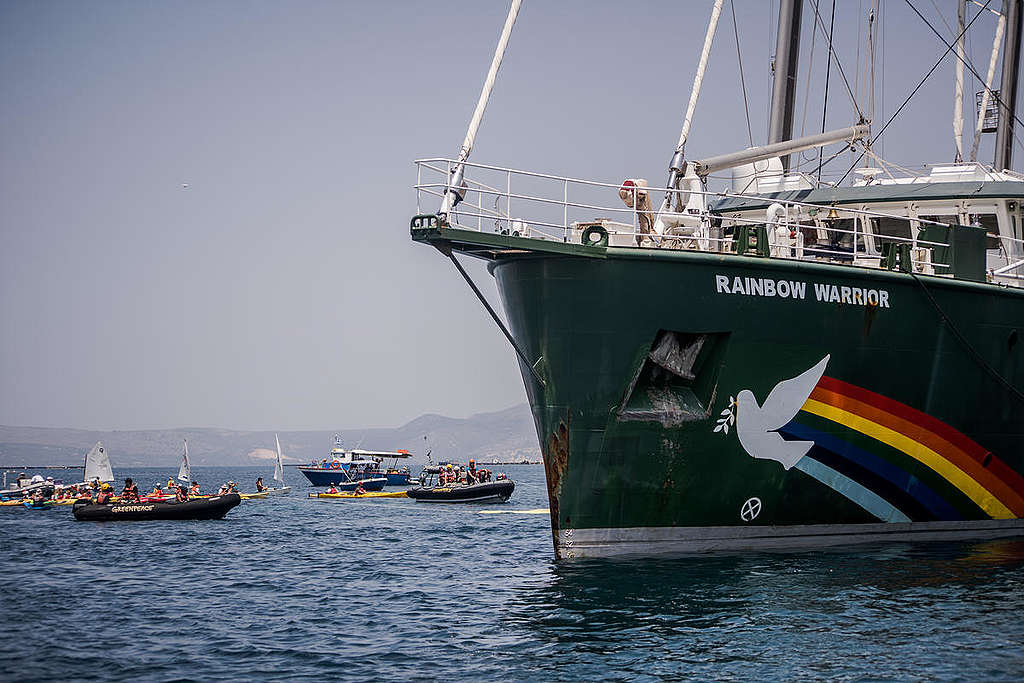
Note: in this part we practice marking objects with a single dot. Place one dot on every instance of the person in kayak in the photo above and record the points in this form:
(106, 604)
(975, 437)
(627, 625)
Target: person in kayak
(359, 490)
(259, 485)
(332, 489)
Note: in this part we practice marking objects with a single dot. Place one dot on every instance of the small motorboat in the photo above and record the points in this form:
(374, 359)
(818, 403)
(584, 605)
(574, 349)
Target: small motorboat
(492, 491)
(368, 494)
(346, 468)
(204, 508)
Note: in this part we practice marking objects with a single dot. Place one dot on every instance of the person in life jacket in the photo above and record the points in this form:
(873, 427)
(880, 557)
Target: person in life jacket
(182, 494)
(194, 491)
(359, 490)
(471, 474)
(103, 497)
(130, 492)
(332, 489)
(170, 482)
(157, 491)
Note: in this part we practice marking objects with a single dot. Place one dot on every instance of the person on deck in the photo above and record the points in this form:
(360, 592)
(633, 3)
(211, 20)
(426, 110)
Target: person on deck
(471, 476)
(157, 491)
(170, 482)
(194, 491)
(259, 485)
(182, 494)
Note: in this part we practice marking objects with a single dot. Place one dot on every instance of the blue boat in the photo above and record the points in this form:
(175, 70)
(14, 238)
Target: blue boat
(347, 468)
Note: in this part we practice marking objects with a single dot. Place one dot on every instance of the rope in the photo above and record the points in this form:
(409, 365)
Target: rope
(966, 63)
(828, 73)
(743, 82)
(447, 251)
(892, 118)
(839, 65)
(1014, 391)
(807, 87)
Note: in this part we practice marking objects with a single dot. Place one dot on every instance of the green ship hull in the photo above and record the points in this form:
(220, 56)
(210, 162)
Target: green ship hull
(690, 402)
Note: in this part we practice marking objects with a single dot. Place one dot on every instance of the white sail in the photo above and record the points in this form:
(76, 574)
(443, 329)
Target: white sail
(185, 471)
(97, 464)
(278, 467)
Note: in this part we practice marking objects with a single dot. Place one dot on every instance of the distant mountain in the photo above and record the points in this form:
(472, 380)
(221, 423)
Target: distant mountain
(507, 434)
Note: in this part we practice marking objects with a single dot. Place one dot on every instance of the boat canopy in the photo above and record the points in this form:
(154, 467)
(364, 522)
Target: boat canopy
(382, 454)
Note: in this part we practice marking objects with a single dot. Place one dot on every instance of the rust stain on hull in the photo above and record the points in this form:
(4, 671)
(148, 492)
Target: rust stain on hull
(556, 460)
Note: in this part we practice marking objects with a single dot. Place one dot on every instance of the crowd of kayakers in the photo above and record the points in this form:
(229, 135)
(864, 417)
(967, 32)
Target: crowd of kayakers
(47, 490)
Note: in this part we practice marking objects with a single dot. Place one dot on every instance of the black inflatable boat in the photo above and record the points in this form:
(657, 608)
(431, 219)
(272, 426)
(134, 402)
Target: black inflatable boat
(492, 491)
(202, 508)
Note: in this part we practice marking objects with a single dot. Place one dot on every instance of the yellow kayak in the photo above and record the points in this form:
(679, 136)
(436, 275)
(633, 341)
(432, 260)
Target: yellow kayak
(252, 496)
(368, 494)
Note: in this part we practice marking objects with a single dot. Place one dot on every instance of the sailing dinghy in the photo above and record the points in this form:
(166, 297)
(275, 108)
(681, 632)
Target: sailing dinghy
(278, 474)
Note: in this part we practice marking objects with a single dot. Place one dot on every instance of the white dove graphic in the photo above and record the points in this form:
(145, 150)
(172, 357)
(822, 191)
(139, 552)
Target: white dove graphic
(755, 426)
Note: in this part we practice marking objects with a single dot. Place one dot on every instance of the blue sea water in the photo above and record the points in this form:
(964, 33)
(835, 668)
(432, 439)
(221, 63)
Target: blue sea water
(296, 588)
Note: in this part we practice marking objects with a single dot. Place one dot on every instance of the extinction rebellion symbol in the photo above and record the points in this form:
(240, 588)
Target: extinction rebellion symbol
(750, 509)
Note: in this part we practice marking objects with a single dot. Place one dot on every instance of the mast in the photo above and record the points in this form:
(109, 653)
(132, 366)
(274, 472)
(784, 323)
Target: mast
(787, 51)
(1008, 85)
(677, 166)
(997, 43)
(453, 196)
(958, 102)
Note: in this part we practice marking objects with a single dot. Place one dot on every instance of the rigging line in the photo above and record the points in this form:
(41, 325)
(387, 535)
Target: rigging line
(912, 93)
(966, 344)
(743, 82)
(828, 73)
(856, 61)
(944, 22)
(807, 87)
(446, 249)
(970, 66)
(839, 65)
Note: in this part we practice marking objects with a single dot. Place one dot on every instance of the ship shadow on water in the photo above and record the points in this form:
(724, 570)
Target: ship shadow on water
(884, 610)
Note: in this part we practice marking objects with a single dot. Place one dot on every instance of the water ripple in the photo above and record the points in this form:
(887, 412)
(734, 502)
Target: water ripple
(297, 589)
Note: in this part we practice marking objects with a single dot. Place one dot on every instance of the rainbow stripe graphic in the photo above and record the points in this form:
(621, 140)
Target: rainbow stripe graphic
(898, 463)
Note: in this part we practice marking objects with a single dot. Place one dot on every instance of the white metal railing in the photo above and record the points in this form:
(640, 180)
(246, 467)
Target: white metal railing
(1012, 252)
(563, 206)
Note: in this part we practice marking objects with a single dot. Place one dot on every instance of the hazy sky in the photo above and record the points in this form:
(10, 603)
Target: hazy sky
(280, 288)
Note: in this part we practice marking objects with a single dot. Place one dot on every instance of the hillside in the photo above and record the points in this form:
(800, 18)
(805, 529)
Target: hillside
(505, 435)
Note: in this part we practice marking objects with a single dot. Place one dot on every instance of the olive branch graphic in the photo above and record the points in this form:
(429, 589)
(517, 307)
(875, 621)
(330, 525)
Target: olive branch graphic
(728, 417)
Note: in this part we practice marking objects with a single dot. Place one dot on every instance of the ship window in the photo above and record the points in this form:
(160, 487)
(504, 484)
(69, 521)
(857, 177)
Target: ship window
(951, 220)
(890, 227)
(990, 222)
(840, 235)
